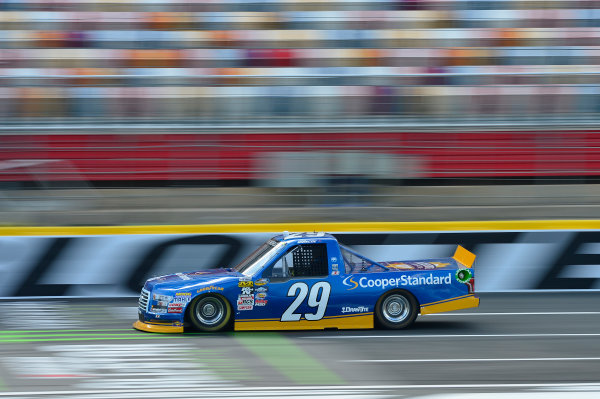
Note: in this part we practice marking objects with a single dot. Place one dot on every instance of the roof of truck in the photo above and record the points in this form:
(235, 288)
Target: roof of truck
(287, 236)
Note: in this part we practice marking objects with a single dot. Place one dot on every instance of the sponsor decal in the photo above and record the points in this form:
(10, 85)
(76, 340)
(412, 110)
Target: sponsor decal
(307, 241)
(183, 276)
(262, 281)
(349, 282)
(463, 275)
(260, 302)
(415, 265)
(158, 309)
(261, 295)
(359, 309)
(210, 288)
(175, 308)
(335, 270)
(245, 307)
(247, 291)
(183, 294)
(262, 289)
(402, 281)
(333, 259)
(245, 283)
(245, 300)
(181, 299)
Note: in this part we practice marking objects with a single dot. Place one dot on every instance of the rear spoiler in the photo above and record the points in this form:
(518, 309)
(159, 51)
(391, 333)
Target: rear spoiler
(464, 257)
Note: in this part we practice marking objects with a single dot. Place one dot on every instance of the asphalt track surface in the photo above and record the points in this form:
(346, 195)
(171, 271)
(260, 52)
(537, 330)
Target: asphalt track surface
(518, 345)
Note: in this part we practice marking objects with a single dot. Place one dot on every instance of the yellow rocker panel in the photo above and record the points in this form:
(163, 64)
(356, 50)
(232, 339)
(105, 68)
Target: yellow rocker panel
(362, 320)
(465, 302)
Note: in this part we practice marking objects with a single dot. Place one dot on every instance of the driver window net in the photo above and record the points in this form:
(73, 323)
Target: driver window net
(310, 260)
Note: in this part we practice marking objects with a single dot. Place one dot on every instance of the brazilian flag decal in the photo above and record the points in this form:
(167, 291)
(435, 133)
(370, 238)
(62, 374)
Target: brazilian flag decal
(464, 275)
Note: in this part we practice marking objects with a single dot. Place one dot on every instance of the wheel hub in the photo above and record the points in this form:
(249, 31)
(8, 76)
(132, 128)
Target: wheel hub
(208, 310)
(394, 308)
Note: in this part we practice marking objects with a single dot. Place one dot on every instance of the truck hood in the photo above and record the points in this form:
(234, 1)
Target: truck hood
(191, 279)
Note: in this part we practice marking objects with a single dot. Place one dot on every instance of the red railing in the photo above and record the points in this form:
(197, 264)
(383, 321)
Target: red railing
(139, 157)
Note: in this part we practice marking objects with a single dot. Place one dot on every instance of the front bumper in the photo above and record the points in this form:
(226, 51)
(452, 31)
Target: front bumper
(159, 321)
(167, 327)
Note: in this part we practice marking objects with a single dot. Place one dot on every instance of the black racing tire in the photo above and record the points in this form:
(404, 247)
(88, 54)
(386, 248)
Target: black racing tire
(396, 310)
(210, 313)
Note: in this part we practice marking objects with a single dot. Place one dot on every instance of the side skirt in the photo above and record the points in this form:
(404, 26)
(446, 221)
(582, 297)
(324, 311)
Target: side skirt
(463, 302)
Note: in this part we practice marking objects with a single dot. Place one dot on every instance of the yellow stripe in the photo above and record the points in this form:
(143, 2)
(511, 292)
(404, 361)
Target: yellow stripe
(299, 227)
(326, 317)
(138, 325)
(349, 315)
(363, 321)
(455, 304)
(244, 320)
(446, 300)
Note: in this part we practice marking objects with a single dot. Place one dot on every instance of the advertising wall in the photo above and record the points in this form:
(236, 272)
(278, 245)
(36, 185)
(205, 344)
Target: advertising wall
(115, 261)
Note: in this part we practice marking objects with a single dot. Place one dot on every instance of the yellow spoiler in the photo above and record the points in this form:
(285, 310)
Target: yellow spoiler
(464, 257)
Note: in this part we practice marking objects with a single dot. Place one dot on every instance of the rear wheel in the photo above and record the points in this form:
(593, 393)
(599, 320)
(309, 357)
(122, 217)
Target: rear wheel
(396, 310)
(210, 313)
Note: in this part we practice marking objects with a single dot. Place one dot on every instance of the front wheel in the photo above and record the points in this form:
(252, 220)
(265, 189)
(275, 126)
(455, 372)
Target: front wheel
(210, 313)
(396, 310)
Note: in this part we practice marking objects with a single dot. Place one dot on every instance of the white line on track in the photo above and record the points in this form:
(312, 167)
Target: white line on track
(522, 359)
(511, 314)
(303, 394)
(315, 389)
(400, 336)
(258, 395)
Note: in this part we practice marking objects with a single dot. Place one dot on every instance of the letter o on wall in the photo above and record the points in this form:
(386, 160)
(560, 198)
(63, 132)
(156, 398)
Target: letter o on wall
(143, 270)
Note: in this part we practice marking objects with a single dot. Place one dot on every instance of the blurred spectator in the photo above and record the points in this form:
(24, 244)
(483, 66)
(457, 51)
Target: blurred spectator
(272, 59)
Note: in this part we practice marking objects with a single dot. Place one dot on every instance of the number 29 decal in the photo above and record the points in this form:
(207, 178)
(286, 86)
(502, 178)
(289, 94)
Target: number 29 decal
(317, 298)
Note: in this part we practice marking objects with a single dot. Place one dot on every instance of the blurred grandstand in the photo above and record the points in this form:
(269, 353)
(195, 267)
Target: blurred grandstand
(353, 62)
(299, 94)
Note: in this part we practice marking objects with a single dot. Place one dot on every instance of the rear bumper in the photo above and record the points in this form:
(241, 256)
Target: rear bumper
(158, 327)
(465, 302)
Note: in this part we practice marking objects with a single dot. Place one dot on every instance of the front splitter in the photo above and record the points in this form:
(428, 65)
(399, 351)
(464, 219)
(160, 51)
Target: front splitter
(157, 328)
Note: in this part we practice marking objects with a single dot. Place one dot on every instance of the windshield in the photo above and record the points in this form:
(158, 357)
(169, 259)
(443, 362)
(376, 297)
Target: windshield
(257, 259)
